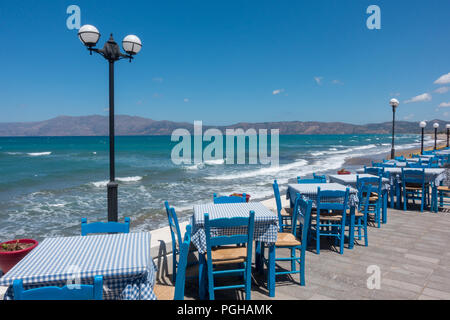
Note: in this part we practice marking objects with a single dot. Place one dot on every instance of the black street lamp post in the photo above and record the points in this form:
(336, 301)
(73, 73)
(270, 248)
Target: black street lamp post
(422, 124)
(448, 133)
(89, 36)
(435, 126)
(394, 103)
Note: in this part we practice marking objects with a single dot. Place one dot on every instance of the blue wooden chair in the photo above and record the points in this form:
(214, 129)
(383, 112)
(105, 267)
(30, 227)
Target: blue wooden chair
(229, 199)
(295, 240)
(284, 214)
(443, 196)
(414, 187)
(361, 215)
(175, 234)
(376, 171)
(104, 227)
(330, 216)
(320, 177)
(375, 199)
(220, 254)
(69, 292)
(165, 292)
(314, 180)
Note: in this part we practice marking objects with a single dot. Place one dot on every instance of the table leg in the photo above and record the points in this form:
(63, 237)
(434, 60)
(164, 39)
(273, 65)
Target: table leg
(351, 230)
(271, 273)
(258, 256)
(385, 200)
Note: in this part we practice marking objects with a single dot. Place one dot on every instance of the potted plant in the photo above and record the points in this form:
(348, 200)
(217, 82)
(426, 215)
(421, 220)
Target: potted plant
(247, 196)
(13, 251)
(343, 171)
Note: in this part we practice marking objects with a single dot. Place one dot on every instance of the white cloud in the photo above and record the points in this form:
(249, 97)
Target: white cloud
(186, 100)
(318, 80)
(337, 82)
(409, 116)
(277, 91)
(158, 79)
(443, 79)
(420, 98)
(396, 94)
(442, 90)
(444, 105)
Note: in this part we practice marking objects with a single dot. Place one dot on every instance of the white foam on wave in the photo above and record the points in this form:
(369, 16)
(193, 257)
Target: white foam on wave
(37, 154)
(103, 183)
(262, 171)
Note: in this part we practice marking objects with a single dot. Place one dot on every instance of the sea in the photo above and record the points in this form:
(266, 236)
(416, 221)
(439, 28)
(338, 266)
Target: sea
(47, 184)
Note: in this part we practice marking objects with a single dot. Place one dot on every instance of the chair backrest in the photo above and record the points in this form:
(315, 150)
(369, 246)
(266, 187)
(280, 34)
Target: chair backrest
(229, 199)
(322, 177)
(174, 226)
(244, 224)
(387, 165)
(302, 216)
(332, 200)
(415, 176)
(276, 192)
(376, 182)
(300, 180)
(104, 227)
(401, 158)
(376, 171)
(69, 292)
(364, 197)
(182, 263)
(416, 165)
(376, 164)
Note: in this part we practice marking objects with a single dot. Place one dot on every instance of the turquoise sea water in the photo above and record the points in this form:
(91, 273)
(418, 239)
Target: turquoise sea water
(48, 183)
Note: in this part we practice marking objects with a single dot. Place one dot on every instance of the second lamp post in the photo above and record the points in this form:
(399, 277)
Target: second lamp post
(422, 124)
(394, 104)
(435, 126)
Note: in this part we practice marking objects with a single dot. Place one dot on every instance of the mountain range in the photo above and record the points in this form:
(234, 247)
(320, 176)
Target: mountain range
(97, 125)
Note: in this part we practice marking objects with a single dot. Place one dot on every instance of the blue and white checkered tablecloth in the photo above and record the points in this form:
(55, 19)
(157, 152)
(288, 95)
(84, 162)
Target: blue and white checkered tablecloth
(123, 260)
(351, 179)
(435, 175)
(309, 192)
(266, 221)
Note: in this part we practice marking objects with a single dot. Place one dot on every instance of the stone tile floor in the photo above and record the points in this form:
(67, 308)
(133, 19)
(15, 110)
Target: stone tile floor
(411, 252)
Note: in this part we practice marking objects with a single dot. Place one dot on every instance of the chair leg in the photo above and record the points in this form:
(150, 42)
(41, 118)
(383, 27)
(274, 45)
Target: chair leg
(293, 261)
(302, 271)
(318, 239)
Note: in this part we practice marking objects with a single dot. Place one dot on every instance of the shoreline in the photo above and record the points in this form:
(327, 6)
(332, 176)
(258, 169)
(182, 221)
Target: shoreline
(407, 153)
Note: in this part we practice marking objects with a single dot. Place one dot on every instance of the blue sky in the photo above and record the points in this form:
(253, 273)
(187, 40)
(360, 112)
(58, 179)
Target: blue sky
(229, 61)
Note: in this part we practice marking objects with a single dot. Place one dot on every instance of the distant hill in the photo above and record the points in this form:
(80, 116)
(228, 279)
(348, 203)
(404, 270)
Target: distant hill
(97, 125)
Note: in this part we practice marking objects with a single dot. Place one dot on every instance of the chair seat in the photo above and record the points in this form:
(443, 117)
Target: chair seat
(357, 213)
(286, 212)
(286, 239)
(413, 188)
(328, 216)
(227, 255)
(163, 291)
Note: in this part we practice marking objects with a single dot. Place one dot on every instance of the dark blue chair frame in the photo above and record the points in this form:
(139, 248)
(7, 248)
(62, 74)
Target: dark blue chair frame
(314, 180)
(282, 219)
(229, 199)
(175, 234)
(180, 282)
(69, 292)
(329, 228)
(376, 206)
(246, 237)
(363, 208)
(104, 227)
(419, 190)
(301, 216)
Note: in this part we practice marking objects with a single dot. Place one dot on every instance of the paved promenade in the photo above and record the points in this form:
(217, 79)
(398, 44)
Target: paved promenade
(412, 252)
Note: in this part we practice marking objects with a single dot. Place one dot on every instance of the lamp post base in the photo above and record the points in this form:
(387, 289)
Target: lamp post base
(392, 153)
(112, 201)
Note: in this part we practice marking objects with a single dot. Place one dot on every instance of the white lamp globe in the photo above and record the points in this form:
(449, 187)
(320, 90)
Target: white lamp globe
(447, 125)
(394, 102)
(88, 35)
(131, 44)
(435, 125)
(423, 124)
